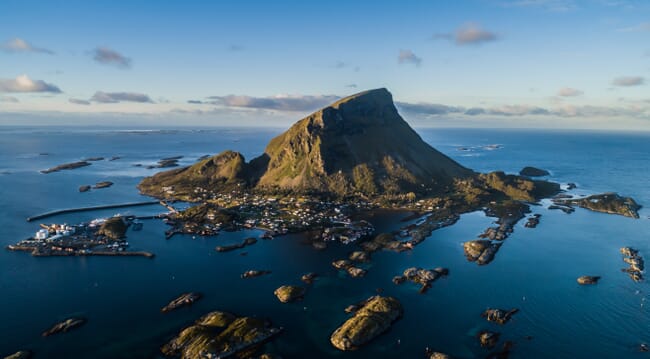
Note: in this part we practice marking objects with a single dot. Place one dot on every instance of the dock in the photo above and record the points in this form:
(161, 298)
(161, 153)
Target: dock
(93, 208)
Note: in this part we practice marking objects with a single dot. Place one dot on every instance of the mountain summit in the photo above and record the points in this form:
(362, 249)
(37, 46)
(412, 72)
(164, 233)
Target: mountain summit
(357, 145)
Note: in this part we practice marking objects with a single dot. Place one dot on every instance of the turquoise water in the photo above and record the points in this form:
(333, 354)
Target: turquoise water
(535, 269)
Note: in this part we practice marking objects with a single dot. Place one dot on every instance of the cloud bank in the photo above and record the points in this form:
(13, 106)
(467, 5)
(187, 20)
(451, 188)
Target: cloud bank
(279, 103)
(433, 109)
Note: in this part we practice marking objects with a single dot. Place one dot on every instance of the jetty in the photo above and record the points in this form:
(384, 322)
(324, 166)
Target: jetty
(92, 208)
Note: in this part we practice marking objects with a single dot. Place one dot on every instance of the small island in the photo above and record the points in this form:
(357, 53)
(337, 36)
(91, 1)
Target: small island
(221, 335)
(66, 166)
(372, 318)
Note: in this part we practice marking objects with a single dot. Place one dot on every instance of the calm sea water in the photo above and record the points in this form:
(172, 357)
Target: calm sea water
(535, 270)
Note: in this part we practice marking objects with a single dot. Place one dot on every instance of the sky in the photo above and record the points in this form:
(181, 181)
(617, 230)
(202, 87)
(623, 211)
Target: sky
(476, 63)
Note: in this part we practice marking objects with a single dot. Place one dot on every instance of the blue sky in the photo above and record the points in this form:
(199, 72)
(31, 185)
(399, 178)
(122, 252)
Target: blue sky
(481, 63)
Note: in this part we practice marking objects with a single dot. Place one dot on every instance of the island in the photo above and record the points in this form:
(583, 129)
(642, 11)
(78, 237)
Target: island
(221, 335)
(66, 166)
(611, 203)
(65, 326)
(372, 318)
(354, 156)
(346, 160)
(183, 300)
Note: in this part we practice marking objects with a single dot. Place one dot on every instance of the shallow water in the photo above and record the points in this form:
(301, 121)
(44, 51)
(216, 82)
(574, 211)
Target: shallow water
(535, 270)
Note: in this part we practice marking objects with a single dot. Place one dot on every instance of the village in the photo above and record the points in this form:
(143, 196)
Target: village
(275, 216)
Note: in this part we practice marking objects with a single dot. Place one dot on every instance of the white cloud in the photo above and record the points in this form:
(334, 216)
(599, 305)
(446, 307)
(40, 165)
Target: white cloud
(23, 83)
(20, 45)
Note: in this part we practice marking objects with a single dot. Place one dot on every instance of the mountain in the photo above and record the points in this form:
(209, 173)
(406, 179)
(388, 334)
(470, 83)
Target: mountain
(359, 145)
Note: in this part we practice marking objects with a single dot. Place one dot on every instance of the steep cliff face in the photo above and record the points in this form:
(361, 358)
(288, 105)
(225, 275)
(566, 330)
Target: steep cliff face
(357, 145)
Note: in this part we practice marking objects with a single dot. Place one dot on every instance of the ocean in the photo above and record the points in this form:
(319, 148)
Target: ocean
(534, 271)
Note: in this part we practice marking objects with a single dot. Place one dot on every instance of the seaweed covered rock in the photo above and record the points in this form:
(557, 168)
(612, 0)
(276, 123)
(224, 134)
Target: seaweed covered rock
(220, 335)
(373, 318)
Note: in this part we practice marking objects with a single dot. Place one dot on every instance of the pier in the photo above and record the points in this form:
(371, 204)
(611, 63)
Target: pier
(93, 208)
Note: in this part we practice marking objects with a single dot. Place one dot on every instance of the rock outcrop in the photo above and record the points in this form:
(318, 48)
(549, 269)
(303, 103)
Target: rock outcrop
(635, 262)
(221, 335)
(23, 354)
(289, 293)
(65, 326)
(500, 316)
(607, 203)
(184, 299)
(533, 172)
(588, 279)
(113, 228)
(371, 319)
(423, 277)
